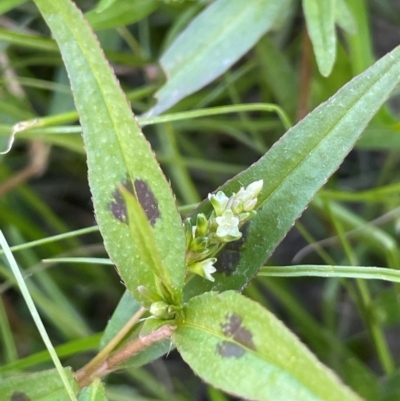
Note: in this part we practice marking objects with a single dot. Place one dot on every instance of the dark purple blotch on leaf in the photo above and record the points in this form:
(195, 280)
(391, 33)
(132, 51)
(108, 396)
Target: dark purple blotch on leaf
(228, 349)
(148, 201)
(233, 328)
(117, 206)
(143, 194)
(229, 257)
(19, 396)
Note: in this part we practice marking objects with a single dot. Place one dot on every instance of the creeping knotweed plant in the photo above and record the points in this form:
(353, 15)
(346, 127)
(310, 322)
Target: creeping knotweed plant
(206, 238)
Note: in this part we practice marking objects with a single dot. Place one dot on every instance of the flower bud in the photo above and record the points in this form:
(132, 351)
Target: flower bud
(255, 187)
(237, 207)
(199, 244)
(162, 310)
(250, 205)
(201, 224)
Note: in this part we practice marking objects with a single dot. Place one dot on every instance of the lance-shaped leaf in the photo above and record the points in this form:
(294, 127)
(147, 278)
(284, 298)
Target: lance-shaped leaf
(46, 385)
(238, 346)
(320, 19)
(295, 168)
(114, 13)
(212, 42)
(143, 237)
(117, 154)
(344, 18)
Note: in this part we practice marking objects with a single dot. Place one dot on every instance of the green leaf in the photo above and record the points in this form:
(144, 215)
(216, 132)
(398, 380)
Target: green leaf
(125, 309)
(361, 272)
(102, 5)
(344, 17)
(320, 20)
(118, 154)
(212, 42)
(143, 237)
(278, 73)
(7, 5)
(43, 386)
(238, 346)
(95, 392)
(115, 13)
(295, 168)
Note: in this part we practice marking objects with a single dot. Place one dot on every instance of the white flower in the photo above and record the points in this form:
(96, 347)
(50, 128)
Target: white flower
(228, 226)
(205, 268)
(219, 202)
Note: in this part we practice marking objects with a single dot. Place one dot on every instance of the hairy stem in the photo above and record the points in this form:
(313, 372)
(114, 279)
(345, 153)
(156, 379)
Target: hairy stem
(92, 365)
(84, 378)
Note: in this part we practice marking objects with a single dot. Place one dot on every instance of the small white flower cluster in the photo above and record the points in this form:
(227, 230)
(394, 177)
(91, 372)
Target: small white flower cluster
(207, 237)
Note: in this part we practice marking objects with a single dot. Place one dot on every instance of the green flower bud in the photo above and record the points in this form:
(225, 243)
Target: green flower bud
(243, 217)
(201, 224)
(162, 310)
(199, 244)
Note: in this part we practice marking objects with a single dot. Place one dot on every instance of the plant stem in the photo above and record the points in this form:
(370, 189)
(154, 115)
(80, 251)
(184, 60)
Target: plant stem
(102, 355)
(84, 378)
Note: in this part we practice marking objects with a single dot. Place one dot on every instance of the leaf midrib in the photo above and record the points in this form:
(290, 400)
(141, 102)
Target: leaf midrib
(256, 354)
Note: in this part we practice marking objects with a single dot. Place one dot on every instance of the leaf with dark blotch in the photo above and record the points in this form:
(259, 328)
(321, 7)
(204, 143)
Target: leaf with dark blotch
(143, 194)
(143, 237)
(118, 206)
(234, 344)
(19, 396)
(117, 153)
(147, 200)
(229, 257)
(234, 328)
(298, 165)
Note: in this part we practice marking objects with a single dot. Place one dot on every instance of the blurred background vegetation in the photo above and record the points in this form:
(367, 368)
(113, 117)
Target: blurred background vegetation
(355, 219)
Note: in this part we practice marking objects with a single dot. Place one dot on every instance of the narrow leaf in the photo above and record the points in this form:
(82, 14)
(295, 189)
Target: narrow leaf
(43, 386)
(238, 346)
(344, 18)
(361, 272)
(295, 169)
(143, 237)
(102, 5)
(118, 154)
(114, 13)
(320, 20)
(212, 42)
